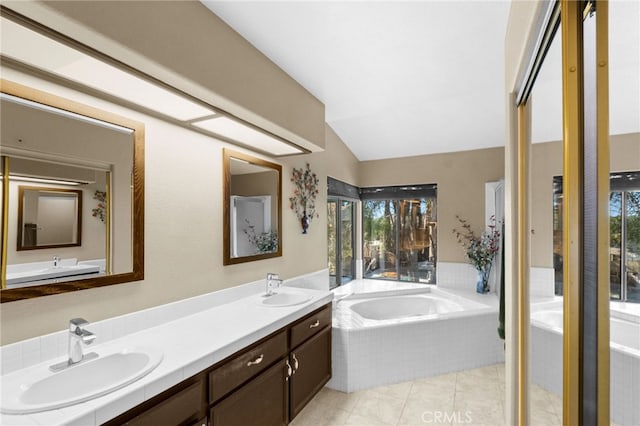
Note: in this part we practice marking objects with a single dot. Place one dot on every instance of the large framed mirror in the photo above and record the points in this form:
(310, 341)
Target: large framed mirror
(72, 195)
(252, 200)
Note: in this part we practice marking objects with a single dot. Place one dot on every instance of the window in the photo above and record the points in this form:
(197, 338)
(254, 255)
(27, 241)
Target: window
(399, 233)
(624, 236)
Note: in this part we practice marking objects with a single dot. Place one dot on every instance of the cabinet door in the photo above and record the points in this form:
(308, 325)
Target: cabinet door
(262, 401)
(311, 364)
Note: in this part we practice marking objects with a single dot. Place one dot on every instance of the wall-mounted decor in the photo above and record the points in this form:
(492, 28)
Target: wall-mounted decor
(100, 210)
(303, 202)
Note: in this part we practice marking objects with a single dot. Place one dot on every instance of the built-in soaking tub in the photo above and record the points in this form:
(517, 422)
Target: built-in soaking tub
(392, 336)
(546, 344)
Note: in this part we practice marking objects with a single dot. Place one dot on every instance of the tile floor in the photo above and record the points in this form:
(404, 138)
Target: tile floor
(471, 397)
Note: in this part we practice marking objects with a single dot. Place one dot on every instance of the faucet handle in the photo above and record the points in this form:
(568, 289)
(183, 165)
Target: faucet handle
(272, 276)
(76, 323)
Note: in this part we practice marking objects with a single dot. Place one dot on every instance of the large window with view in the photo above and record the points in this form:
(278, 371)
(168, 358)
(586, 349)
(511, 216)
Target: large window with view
(399, 233)
(624, 236)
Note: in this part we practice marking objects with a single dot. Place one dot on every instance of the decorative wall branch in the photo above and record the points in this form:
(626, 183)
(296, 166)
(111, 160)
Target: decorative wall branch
(100, 211)
(303, 201)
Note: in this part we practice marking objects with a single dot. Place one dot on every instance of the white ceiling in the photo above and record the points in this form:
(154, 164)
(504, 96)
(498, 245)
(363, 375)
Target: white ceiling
(410, 78)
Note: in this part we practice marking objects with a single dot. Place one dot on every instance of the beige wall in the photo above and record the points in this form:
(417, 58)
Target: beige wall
(460, 177)
(185, 45)
(342, 164)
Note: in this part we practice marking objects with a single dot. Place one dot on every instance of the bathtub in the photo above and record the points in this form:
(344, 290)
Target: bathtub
(546, 360)
(391, 336)
(398, 307)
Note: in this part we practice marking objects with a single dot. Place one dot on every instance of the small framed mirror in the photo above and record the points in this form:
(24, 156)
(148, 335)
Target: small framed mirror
(252, 200)
(49, 218)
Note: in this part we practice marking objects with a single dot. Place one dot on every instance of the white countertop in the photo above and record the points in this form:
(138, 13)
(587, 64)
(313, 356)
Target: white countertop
(190, 345)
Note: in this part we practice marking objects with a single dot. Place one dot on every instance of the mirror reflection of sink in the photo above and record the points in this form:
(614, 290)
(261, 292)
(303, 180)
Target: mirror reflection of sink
(38, 389)
(285, 299)
(51, 272)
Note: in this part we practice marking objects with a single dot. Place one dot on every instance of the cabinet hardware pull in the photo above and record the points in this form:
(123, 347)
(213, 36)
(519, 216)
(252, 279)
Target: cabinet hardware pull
(256, 361)
(315, 324)
(289, 370)
(295, 363)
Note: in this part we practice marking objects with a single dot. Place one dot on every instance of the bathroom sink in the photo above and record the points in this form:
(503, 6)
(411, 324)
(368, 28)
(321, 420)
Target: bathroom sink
(285, 299)
(38, 389)
(52, 272)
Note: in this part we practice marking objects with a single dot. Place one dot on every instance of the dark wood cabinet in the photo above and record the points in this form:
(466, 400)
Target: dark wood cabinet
(262, 401)
(267, 383)
(181, 405)
(243, 367)
(311, 363)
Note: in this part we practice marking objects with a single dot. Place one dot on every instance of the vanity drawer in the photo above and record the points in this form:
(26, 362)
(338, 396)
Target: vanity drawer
(243, 367)
(185, 407)
(310, 325)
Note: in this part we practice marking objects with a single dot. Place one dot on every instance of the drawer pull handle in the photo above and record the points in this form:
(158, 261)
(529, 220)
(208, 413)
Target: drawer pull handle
(289, 370)
(315, 324)
(295, 363)
(256, 361)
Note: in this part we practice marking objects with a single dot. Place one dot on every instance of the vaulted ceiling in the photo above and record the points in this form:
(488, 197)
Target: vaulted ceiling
(410, 78)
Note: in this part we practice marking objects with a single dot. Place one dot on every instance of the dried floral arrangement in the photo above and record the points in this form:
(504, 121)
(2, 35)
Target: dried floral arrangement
(264, 242)
(480, 250)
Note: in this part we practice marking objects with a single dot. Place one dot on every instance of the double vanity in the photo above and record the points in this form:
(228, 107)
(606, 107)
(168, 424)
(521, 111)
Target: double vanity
(258, 359)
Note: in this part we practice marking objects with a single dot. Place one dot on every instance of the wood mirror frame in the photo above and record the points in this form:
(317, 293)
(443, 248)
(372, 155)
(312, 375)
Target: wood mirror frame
(137, 192)
(227, 156)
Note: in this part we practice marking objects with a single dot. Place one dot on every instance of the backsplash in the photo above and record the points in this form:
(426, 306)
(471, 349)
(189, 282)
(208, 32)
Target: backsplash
(45, 348)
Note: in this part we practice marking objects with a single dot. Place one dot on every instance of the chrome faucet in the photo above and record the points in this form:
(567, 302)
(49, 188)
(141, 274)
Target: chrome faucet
(78, 336)
(273, 281)
(56, 261)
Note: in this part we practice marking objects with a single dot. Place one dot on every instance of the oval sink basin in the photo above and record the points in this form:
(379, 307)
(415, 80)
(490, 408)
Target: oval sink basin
(40, 389)
(285, 299)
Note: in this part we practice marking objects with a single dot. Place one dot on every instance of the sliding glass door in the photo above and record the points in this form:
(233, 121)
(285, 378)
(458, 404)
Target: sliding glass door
(341, 240)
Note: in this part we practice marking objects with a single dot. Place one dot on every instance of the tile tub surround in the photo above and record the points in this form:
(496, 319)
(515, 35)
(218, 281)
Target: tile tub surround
(193, 333)
(463, 276)
(369, 353)
(546, 361)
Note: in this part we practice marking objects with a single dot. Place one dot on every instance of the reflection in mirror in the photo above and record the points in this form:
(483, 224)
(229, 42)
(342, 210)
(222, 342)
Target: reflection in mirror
(49, 217)
(73, 194)
(252, 208)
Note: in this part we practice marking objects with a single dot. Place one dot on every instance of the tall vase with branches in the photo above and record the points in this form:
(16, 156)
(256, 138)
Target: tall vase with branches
(480, 250)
